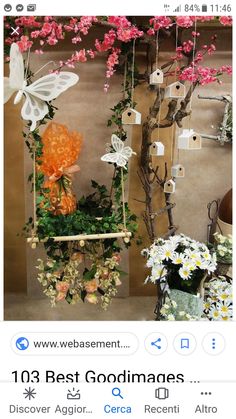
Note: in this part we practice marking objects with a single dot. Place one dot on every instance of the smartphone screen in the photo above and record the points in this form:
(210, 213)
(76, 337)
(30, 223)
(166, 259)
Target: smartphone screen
(117, 292)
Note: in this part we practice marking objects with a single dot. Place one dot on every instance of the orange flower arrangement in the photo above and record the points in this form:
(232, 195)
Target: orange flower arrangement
(61, 149)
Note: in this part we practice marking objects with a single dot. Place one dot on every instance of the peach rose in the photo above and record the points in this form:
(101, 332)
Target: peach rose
(62, 286)
(91, 298)
(77, 256)
(91, 286)
(60, 296)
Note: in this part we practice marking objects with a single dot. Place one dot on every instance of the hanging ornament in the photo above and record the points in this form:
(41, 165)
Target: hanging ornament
(120, 155)
(156, 77)
(131, 117)
(157, 149)
(169, 186)
(189, 140)
(175, 91)
(36, 94)
(178, 171)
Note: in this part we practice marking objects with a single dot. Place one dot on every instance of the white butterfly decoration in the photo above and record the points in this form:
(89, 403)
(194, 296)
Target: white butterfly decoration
(121, 154)
(36, 94)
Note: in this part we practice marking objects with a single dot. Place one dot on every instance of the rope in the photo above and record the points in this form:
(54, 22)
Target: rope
(125, 78)
(193, 64)
(132, 75)
(123, 197)
(34, 193)
(172, 156)
(157, 49)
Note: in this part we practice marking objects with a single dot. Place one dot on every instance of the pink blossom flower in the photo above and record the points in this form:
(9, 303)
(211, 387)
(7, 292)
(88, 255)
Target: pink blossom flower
(79, 56)
(24, 44)
(187, 46)
(185, 21)
(204, 18)
(158, 22)
(107, 43)
(119, 21)
(38, 51)
(112, 60)
(27, 22)
(211, 49)
(106, 87)
(91, 53)
(52, 40)
(62, 286)
(226, 20)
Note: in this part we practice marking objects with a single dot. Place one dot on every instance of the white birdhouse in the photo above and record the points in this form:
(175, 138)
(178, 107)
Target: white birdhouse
(178, 171)
(189, 140)
(175, 90)
(156, 77)
(169, 186)
(131, 117)
(157, 149)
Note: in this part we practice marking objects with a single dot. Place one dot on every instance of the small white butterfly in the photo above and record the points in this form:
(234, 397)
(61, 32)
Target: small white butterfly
(36, 94)
(121, 154)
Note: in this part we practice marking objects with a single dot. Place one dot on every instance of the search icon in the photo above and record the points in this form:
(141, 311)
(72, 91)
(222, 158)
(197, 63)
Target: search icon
(116, 392)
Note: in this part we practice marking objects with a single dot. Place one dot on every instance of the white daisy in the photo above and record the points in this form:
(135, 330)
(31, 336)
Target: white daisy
(185, 273)
(214, 314)
(170, 317)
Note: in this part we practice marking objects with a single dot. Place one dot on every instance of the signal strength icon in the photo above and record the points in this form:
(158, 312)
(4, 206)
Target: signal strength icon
(178, 9)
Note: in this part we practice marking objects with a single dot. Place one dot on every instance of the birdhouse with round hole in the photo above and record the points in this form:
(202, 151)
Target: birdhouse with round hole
(175, 91)
(189, 140)
(169, 186)
(178, 171)
(157, 149)
(156, 77)
(131, 117)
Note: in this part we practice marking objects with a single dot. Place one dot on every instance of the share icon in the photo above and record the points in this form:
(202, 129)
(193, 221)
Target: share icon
(156, 343)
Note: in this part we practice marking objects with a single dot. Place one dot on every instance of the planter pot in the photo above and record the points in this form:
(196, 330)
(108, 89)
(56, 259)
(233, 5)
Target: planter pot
(191, 304)
(223, 228)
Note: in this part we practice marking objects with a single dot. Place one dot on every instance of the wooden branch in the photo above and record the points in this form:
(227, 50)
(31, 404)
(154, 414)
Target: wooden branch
(163, 210)
(210, 137)
(226, 98)
(171, 232)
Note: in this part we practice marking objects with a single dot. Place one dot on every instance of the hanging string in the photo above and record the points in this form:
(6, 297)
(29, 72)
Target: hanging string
(172, 157)
(193, 65)
(132, 75)
(125, 78)
(157, 49)
(159, 89)
(123, 197)
(34, 194)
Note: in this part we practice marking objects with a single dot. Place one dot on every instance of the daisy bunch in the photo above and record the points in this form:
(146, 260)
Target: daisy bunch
(182, 261)
(218, 304)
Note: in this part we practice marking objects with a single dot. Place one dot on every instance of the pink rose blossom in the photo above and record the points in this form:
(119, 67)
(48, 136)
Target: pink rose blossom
(185, 21)
(226, 20)
(24, 44)
(62, 286)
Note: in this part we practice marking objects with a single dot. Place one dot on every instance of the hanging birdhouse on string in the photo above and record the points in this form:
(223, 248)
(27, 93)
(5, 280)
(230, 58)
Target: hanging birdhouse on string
(189, 140)
(131, 117)
(178, 171)
(157, 149)
(156, 77)
(175, 91)
(169, 186)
